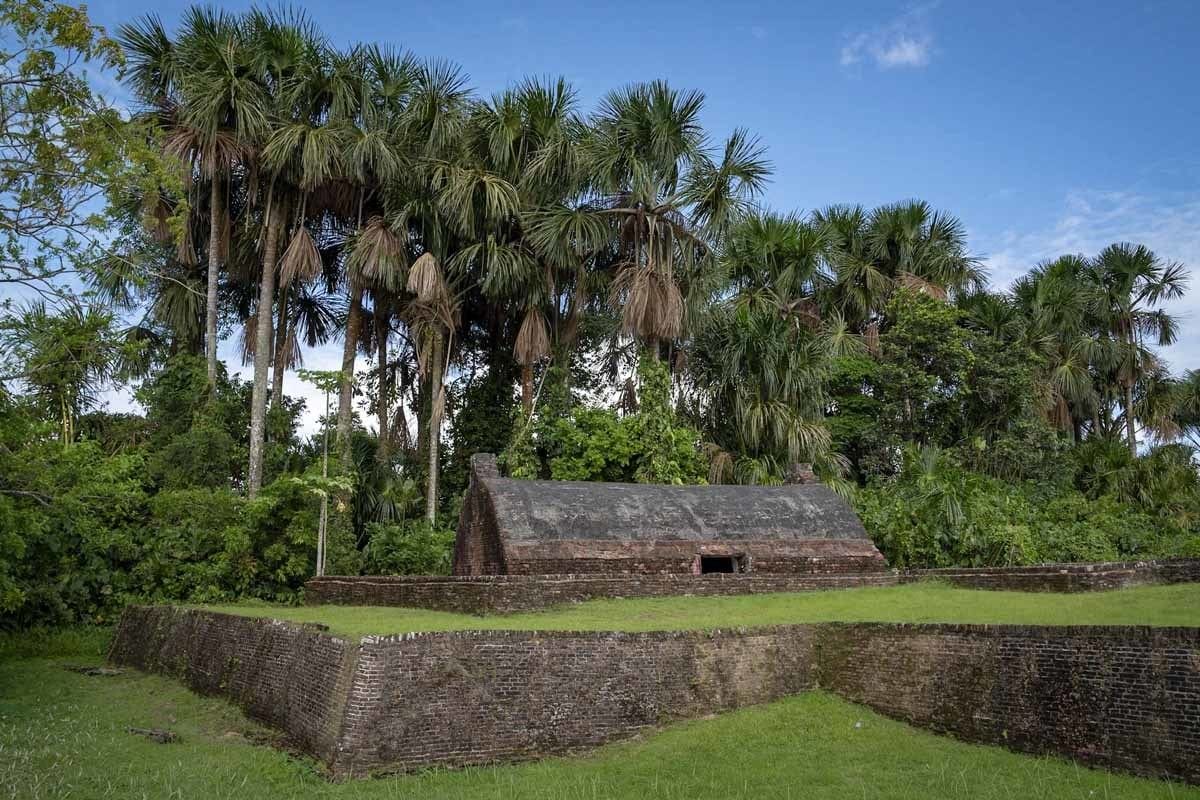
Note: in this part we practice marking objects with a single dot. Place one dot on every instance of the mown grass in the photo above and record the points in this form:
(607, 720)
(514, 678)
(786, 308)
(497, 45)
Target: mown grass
(923, 602)
(63, 735)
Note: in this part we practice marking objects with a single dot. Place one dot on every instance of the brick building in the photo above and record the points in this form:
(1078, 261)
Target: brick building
(526, 527)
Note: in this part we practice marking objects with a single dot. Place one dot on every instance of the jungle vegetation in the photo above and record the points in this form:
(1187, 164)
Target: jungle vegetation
(597, 292)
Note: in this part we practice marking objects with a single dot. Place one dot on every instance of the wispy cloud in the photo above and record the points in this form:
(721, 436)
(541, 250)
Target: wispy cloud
(906, 41)
(1089, 220)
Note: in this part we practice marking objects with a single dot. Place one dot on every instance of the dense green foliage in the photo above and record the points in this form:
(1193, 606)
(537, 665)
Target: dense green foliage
(568, 440)
(595, 294)
(409, 548)
(936, 513)
(95, 524)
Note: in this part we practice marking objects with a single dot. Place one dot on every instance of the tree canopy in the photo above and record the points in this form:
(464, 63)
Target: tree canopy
(598, 293)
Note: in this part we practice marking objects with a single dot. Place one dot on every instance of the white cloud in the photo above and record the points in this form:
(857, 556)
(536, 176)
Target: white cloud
(905, 41)
(1089, 220)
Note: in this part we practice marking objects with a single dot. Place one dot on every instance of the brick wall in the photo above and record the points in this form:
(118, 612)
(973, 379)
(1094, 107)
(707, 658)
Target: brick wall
(480, 697)
(617, 558)
(292, 677)
(506, 593)
(1068, 577)
(1125, 697)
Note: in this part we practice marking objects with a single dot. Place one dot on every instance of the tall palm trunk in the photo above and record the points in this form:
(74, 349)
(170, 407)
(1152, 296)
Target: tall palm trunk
(214, 272)
(1131, 344)
(527, 389)
(384, 409)
(346, 388)
(282, 334)
(262, 360)
(435, 425)
(1130, 427)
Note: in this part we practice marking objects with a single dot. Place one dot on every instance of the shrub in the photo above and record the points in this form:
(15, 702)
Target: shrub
(568, 441)
(410, 547)
(936, 513)
(194, 547)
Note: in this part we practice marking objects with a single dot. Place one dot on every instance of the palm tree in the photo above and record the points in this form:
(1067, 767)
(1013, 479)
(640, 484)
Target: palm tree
(1056, 302)
(1187, 407)
(377, 155)
(64, 357)
(524, 137)
(905, 244)
(286, 53)
(223, 112)
(667, 200)
(760, 361)
(379, 262)
(1131, 284)
(303, 157)
(434, 317)
(427, 105)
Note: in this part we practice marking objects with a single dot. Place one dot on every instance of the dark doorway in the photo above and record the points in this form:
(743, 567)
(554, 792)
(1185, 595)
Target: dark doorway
(710, 564)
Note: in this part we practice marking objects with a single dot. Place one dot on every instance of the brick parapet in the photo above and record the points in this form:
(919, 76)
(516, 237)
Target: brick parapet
(497, 594)
(1123, 697)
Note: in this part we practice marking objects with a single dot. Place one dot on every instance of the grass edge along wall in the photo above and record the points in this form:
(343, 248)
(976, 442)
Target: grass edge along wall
(1126, 697)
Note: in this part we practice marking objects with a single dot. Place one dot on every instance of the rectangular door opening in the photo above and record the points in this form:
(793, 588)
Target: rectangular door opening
(723, 564)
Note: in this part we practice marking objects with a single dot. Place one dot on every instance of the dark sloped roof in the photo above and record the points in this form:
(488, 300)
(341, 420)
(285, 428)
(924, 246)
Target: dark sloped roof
(532, 511)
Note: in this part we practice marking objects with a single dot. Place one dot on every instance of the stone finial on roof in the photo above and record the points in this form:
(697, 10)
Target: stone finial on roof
(483, 465)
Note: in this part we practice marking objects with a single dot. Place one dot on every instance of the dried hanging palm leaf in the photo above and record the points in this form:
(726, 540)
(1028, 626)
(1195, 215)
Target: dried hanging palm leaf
(300, 261)
(249, 338)
(1060, 414)
(425, 278)
(156, 216)
(182, 143)
(533, 338)
(293, 354)
(379, 255)
(653, 303)
(185, 247)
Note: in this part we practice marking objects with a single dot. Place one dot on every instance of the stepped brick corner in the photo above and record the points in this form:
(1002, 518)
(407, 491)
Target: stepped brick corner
(499, 594)
(1124, 697)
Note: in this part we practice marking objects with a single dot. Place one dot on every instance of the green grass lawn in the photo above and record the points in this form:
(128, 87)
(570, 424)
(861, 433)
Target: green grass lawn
(923, 602)
(63, 735)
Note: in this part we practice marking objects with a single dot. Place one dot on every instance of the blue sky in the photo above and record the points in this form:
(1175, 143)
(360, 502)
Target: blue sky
(1046, 127)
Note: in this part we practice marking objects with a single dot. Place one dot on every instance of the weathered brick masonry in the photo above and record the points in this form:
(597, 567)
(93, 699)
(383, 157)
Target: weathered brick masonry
(494, 594)
(1124, 697)
(1068, 577)
(293, 677)
(480, 697)
(500, 594)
